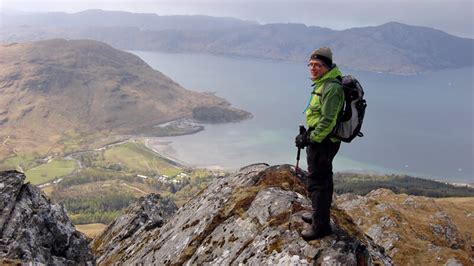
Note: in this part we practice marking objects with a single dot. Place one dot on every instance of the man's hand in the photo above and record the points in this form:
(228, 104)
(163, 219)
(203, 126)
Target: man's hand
(302, 140)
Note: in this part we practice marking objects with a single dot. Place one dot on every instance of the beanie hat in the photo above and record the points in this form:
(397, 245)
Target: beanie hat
(323, 54)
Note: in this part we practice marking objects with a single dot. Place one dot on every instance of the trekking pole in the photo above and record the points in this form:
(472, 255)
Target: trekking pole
(302, 131)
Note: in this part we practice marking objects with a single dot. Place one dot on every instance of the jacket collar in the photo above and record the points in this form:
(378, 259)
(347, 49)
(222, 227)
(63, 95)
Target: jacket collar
(331, 74)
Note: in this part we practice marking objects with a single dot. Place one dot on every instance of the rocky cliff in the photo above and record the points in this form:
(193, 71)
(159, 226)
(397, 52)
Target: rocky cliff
(251, 217)
(32, 229)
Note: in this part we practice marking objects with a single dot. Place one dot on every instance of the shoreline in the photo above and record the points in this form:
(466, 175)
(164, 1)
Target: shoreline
(289, 60)
(160, 146)
(165, 149)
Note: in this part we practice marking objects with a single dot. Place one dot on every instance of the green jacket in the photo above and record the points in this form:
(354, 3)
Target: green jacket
(324, 106)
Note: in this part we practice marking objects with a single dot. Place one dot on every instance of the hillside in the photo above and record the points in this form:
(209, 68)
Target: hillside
(392, 47)
(415, 230)
(362, 184)
(58, 92)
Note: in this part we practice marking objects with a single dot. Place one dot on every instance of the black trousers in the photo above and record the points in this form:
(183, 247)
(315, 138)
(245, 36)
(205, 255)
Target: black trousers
(320, 183)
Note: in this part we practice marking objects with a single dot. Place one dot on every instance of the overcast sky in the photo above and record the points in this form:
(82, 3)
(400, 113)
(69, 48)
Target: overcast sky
(453, 16)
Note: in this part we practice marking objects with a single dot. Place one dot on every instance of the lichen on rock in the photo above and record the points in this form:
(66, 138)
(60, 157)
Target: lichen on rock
(34, 230)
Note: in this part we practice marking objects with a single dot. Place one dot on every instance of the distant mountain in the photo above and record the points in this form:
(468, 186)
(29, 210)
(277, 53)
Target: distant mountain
(54, 91)
(391, 47)
(142, 21)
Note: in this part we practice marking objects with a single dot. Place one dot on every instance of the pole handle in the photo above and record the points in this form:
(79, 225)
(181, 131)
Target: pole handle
(302, 129)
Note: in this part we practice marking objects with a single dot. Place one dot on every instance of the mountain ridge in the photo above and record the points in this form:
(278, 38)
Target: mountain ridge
(390, 48)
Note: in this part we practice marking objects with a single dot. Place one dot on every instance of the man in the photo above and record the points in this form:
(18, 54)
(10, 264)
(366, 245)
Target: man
(323, 110)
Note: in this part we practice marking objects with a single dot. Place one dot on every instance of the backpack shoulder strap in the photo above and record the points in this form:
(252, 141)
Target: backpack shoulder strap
(338, 80)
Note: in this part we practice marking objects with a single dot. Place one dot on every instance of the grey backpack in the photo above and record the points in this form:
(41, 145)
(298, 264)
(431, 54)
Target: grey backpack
(350, 121)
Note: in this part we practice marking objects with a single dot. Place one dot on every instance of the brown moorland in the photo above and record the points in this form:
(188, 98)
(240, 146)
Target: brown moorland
(60, 90)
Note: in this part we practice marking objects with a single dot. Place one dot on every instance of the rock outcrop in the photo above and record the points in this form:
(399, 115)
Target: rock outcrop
(144, 217)
(414, 230)
(251, 217)
(32, 229)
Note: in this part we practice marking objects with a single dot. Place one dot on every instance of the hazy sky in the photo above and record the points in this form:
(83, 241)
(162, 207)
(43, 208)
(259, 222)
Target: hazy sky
(453, 16)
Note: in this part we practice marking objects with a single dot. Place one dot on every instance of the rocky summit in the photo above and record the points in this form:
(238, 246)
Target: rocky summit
(251, 217)
(33, 230)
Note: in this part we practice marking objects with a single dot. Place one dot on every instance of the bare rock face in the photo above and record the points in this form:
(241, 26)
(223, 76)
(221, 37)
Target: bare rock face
(32, 229)
(252, 217)
(123, 236)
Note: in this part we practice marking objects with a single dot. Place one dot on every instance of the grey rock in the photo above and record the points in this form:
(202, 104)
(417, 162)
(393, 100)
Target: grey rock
(285, 259)
(410, 201)
(384, 207)
(385, 238)
(388, 222)
(453, 262)
(381, 192)
(443, 227)
(252, 217)
(351, 202)
(123, 236)
(34, 230)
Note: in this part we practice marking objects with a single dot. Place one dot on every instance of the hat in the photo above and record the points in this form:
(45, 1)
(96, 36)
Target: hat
(323, 54)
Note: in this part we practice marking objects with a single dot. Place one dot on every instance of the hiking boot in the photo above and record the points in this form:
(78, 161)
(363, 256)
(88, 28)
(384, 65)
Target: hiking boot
(307, 217)
(310, 234)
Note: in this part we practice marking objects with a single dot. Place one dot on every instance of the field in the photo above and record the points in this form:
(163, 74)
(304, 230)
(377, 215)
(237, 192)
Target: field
(91, 230)
(50, 171)
(97, 185)
(135, 156)
(19, 162)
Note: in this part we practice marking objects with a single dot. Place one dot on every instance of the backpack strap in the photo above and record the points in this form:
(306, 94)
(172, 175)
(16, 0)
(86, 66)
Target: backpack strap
(338, 80)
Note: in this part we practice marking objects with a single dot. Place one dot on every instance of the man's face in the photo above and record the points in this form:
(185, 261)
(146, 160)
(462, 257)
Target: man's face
(317, 68)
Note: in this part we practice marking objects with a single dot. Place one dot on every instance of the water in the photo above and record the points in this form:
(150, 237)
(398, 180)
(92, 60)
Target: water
(420, 125)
